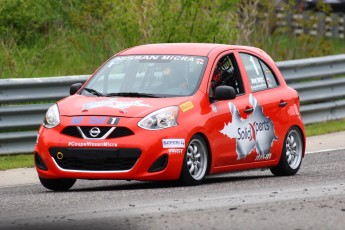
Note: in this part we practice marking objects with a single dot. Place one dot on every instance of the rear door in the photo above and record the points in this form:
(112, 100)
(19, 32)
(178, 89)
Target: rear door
(269, 99)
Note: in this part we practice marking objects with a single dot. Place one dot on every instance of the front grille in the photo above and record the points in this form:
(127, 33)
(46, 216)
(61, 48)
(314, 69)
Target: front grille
(118, 132)
(95, 159)
(86, 131)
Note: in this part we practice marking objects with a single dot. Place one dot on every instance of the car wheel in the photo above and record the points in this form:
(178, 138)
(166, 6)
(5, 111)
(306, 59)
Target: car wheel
(195, 162)
(57, 184)
(291, 157)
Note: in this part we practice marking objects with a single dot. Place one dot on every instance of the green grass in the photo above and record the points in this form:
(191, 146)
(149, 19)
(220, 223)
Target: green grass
(325, 127)
(26, 160)
(16, 161)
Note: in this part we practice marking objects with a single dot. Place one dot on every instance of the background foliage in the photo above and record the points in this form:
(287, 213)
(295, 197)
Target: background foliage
(69, 37)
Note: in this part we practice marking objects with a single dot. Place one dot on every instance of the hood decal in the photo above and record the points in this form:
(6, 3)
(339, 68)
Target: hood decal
(255, 132)
(114, 104)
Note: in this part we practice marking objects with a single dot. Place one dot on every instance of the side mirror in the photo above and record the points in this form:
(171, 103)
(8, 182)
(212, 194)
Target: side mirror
(224, 92)
(74, 88)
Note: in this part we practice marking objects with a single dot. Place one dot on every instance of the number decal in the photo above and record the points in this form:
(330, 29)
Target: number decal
(113, 121)
(254, 65)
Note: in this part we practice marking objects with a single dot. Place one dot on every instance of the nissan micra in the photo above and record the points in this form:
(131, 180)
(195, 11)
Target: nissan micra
(173, 112)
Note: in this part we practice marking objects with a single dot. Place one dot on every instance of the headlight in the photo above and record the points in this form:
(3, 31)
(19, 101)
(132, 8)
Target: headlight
(160, 119)
(52, 118)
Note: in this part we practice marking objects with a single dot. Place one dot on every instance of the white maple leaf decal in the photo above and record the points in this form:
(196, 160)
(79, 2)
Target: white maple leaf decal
(114, 103)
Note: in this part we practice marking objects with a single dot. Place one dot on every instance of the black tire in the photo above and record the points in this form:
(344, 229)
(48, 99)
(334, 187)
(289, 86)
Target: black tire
(57, 184)
(195, 163)
(292, 154)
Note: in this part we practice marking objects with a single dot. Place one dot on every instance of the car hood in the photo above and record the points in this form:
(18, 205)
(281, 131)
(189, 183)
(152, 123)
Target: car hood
(78, 105)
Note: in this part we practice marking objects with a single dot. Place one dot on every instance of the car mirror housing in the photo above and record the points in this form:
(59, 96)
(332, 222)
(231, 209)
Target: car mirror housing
(74, 88)
(224, 92)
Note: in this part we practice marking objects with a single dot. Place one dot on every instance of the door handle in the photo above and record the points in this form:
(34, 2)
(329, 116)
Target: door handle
(282, 104)
(249, 110)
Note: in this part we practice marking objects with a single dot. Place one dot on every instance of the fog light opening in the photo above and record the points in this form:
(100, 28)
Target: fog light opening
(40, 163)
(160, 164)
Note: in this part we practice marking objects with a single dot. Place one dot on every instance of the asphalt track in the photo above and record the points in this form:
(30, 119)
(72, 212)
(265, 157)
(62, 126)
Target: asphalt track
(312, 199)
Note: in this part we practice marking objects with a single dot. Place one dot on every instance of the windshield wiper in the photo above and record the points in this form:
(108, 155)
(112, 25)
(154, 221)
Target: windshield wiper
(93, 91)
(130, 94)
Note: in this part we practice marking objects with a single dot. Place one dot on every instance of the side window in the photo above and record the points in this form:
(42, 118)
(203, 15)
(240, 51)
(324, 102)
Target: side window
(254, 72)
(260, 76)
(270, 78)
(226, 73)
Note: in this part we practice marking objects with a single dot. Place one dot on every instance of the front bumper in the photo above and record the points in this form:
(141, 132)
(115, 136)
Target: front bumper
(141, 156)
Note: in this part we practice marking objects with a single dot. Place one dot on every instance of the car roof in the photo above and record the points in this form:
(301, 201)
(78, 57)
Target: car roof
(198, 49)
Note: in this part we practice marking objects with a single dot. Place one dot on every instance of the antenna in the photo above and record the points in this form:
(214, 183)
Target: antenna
(214, 39)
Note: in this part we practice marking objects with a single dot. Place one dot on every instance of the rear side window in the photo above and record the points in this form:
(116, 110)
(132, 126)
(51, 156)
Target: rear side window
(259, 74)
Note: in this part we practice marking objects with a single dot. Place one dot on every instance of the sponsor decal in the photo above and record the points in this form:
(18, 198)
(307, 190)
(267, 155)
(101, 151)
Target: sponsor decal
(258, 83)
(97, 120)
(177, 58)
(77, 120)
(255, 132)
(119, 59)
(199, 61)
(94, 120)
(114, 103)
(263, 157)
(137, 57)
(257, 80)
(186, 106)
(175, 151)
(173, 143)
(91, 144)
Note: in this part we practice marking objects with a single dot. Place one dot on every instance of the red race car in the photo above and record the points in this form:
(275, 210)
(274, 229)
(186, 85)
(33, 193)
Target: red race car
(173, 112)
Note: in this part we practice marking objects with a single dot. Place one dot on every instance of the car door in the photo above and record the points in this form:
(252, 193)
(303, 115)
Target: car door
(269, 100)
(230, 138)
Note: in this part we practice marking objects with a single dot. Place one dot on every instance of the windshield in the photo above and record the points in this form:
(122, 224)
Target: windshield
(147, 76)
